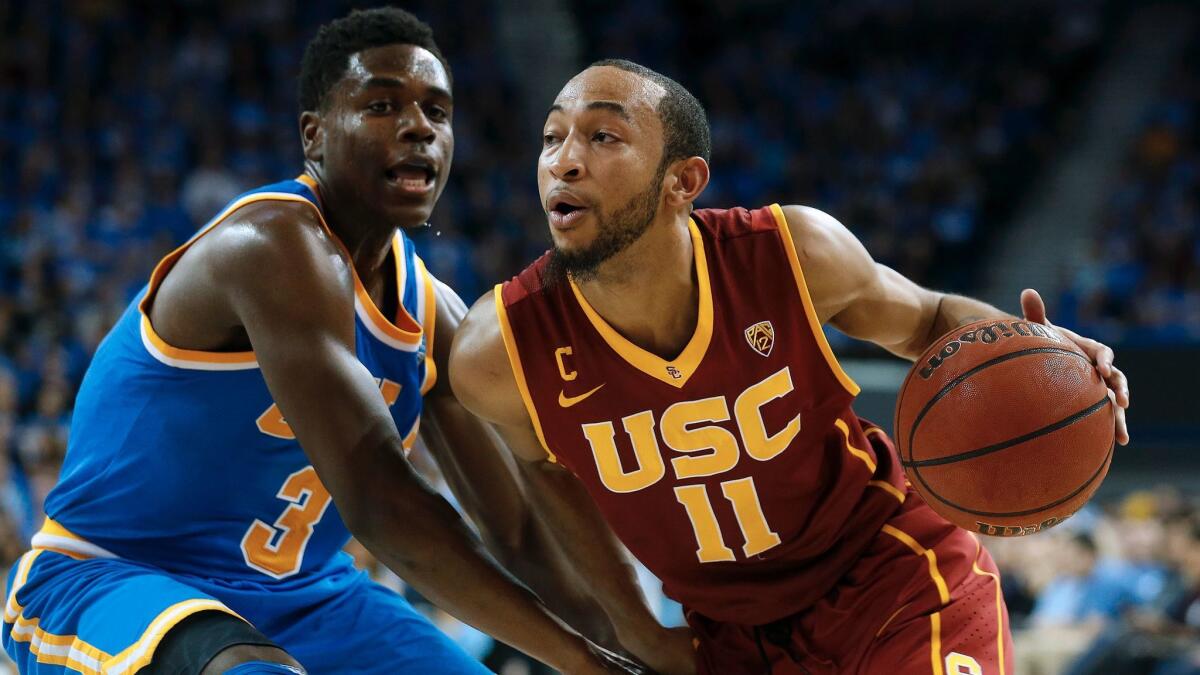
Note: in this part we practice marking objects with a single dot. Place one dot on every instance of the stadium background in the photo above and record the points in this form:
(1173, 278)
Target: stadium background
(975, 146)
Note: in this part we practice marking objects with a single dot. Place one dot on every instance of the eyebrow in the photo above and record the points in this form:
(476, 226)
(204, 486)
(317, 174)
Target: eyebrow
(396, 83)
(611, 106)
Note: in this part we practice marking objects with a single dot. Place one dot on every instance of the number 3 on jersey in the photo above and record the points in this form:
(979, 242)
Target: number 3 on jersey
(278, 551)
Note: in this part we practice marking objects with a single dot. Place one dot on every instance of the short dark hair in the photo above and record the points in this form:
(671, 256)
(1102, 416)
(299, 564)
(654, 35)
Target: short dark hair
(685, 125)
(328, 54)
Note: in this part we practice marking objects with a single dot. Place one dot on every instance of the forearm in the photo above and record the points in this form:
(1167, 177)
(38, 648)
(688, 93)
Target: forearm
(484, 479)
(949, 312)
(590, 546)
(417, 534)
(539, 562)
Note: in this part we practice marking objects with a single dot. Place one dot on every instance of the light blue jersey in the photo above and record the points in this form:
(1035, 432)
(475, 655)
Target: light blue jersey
(184, 490)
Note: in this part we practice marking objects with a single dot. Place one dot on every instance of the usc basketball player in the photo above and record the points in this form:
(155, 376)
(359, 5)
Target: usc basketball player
(664, 369)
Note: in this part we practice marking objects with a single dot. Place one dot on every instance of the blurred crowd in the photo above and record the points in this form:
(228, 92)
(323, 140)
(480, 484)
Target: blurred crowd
(1141, 280)
(125, 126)
(1112, 590)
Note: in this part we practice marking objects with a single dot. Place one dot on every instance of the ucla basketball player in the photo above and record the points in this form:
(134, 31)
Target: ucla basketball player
(664, 369)
(255, 402)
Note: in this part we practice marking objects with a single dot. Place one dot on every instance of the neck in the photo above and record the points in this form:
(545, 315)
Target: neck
(648, 292)
(365, 236)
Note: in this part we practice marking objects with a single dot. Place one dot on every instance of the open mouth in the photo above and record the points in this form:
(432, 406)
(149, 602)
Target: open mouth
(412, 175)
(565, 211)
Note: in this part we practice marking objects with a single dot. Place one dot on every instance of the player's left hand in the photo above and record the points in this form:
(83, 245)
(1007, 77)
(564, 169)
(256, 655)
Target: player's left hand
(1101, 355)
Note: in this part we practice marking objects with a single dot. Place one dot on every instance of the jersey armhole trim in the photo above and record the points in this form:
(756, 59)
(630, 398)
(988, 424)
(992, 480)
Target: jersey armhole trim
(197, 359)
(514, 360)
(428, 311)
(810, 310)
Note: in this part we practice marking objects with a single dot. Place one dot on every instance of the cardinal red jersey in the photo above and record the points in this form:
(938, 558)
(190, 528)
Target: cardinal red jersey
(737, 471)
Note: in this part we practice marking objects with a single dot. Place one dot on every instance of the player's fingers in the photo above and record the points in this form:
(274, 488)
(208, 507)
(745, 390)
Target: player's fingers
(1101, 354)
(1104, 359)
(1122, 429)
(1032, 306)
(1119, 384)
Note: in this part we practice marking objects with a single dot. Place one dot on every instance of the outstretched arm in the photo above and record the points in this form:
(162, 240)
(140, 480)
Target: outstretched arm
(873, 302)
(484, 478)
(288, 287)
(483, 380)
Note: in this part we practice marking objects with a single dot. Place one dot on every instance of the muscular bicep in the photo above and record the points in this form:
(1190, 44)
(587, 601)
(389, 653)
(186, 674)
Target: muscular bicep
(852, 292)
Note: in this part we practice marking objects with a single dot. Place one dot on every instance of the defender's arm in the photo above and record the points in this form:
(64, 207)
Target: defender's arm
(282, 277)
(870, 301)
(484, 382)
(483, 476)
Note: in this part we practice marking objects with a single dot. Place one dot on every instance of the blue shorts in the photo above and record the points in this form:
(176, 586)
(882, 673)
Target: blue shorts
(93, 615)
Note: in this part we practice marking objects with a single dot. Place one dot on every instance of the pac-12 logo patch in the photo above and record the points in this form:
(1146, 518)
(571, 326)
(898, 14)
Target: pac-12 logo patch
(761, 337)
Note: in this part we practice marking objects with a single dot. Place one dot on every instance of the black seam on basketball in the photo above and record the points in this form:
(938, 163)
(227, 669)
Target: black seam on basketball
(916, 471)
(961, 378)
(1014, 514)
(996, 447)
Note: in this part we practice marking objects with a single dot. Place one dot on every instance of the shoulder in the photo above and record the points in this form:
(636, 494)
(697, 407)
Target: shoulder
(816, 234)
(270, 242)
(480, 371)
(530, 282)
(736, 222)
(272, 228)
(836, 267)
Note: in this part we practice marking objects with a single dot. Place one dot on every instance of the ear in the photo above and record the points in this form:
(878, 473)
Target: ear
(686, 179)
(312, 136)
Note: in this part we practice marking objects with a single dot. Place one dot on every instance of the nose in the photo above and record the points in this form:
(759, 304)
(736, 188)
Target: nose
(415, 126)
(566, 164)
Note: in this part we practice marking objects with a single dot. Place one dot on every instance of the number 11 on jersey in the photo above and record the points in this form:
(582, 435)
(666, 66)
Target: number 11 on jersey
(741, 494)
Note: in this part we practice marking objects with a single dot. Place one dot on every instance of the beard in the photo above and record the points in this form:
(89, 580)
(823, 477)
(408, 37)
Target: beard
(614, 233)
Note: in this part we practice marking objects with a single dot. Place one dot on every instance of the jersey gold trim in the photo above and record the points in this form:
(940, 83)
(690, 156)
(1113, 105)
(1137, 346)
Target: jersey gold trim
(427, 308)
(140, 653)
(405, 337)
(999, 600)
(514, 360)
(55, 537)
(46, 647)
(675, 372)
(810, 310)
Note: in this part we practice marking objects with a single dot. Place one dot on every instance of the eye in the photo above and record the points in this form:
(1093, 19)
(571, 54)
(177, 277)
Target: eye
(437, 113)
(380, 107)
(603, 137)
(549, 139)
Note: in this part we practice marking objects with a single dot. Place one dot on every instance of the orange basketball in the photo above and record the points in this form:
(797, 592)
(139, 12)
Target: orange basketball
(1005, 427)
